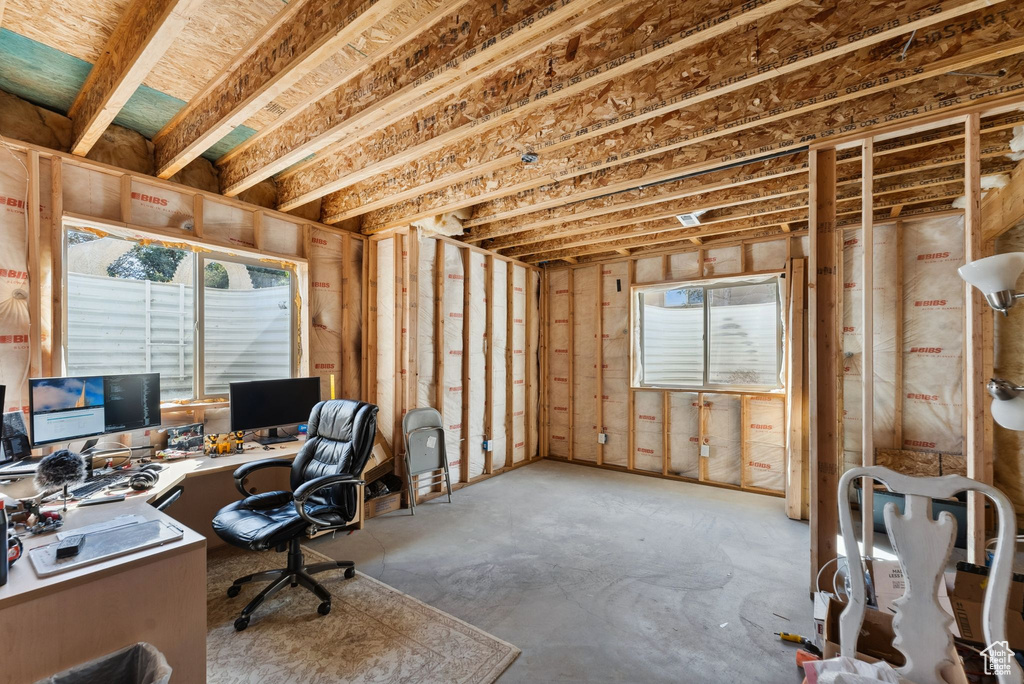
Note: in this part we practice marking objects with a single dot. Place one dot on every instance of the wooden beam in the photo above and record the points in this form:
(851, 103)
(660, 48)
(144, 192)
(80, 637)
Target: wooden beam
(436, 67)
(1003, 208)
(140, 39)
(979, 460)
(510, 441)
(300, 38)
(613, 151)
(825, 369)
(571, 232)
(867, 311)
(340, 169)
(794, 392)
(568, 147)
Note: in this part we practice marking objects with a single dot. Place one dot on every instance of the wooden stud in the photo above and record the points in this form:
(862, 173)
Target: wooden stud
(631, 425)
(197, 218)
(370, 331)
(599, 335)
(257, 232)
(666, 432)
(572, 362)
(979, 461)
(489, 360)
(825, 336)
(545, 384)
(58, 325)
(398, 394)
(794, 392)
(467, 294)
(35, 279)
(126, 198)
(744, 440)
(868, 344)
(703, 415)
(530, 419)
(510, 441)
(364, 322)
(412, 299)
(142, 36)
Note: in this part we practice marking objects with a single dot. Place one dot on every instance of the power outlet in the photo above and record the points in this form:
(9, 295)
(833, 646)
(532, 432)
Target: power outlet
(705, 450)
(602, 438)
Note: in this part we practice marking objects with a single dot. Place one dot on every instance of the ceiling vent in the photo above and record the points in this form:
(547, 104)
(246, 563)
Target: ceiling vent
(689, 220)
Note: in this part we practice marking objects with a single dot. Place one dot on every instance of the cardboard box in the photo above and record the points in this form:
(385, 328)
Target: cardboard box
(889, 585)
(967, 595)
(874, 642)
(383, 504)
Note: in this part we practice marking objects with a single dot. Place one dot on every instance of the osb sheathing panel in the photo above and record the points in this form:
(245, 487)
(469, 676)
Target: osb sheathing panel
(412, 63)
(615, 361)
(369, 44)
(1009, 364)
(586, 293)
(548, 131)
(559, 330)
(79, 28)
(651, 139)
(541, 74)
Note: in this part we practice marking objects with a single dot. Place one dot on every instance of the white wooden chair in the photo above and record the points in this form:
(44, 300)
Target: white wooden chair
(923, 547)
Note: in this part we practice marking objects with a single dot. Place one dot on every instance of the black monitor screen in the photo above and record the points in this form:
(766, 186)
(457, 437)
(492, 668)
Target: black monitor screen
(132, 401)
(269, 403)
(63, 409)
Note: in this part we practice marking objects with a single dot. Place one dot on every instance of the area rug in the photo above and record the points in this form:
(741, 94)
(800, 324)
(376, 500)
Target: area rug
(373, 634)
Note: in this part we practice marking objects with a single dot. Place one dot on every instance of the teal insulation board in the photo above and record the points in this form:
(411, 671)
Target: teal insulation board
(50, 78)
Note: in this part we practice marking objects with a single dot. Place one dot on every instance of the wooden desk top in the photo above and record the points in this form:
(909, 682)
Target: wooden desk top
(23, 584)
(176, 472)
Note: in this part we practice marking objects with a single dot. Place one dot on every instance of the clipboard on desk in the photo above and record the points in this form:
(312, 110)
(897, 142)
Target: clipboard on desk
(104, 545)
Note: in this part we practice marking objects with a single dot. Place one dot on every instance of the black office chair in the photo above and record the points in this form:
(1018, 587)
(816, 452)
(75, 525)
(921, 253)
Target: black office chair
(324, 482)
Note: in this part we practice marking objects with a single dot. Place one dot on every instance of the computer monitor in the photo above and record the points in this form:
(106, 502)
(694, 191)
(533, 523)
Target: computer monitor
(265, 404)
(63, 409)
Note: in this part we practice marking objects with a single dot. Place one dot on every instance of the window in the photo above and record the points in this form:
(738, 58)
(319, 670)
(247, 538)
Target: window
(133, 307)
(718, 335)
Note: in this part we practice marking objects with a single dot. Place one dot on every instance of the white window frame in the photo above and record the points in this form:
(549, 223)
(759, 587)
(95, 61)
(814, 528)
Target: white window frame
(706, 284)
(198, 338)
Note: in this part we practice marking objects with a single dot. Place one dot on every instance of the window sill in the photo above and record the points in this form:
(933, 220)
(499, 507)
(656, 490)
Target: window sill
(778, 391)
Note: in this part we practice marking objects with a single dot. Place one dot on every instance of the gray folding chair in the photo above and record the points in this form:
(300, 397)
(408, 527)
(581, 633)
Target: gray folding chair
(425, 450)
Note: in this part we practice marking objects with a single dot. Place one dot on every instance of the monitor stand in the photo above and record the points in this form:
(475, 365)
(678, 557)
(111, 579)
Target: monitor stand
(273, 437)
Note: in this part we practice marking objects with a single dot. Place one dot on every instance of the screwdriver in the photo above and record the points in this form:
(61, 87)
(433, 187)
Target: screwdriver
(797, 639)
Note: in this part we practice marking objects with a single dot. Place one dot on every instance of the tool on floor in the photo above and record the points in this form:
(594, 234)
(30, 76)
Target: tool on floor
(802, 640)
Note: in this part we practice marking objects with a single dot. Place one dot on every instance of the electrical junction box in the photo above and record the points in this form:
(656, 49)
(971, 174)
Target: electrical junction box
(602, 438)
(705, 450)
(488, 445)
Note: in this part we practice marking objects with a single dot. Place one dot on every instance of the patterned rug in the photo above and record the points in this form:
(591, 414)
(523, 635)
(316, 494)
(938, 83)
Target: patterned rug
(373, 634)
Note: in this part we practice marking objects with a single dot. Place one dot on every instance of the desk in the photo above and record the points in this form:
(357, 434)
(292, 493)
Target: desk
(157, 595)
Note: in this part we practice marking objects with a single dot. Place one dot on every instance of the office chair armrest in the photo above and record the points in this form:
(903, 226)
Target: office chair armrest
(305, 490)
(244, 471)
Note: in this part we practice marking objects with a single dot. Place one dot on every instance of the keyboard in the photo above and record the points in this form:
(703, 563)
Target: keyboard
(97, 483)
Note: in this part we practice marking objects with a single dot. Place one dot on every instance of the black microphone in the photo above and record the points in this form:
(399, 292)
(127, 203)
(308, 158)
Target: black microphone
(58, 470)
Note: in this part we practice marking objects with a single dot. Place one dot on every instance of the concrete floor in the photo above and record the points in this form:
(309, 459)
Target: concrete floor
(601, 576)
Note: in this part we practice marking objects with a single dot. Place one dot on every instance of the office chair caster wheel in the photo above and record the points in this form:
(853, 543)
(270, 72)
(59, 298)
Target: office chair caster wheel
(234, 590)
(324, 608)
(241, 623)
(350, 573)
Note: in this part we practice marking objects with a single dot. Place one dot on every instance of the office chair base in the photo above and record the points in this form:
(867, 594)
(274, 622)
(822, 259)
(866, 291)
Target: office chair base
(296, 574)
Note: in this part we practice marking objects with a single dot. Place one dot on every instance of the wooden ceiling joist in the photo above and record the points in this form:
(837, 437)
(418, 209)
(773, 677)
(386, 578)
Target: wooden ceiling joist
(719, 199)
(726, 112)
(910, 99)
(407, 144)
(140, 39)
(302, 36)
(646, 196)
(387, 93)
(738, 226)
(1003, 208)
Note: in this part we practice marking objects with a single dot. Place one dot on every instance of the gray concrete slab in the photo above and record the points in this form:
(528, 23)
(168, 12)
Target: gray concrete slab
(601, 576)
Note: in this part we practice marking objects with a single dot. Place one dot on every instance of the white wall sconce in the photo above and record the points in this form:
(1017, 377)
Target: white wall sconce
(1007, 404)
(996, 276)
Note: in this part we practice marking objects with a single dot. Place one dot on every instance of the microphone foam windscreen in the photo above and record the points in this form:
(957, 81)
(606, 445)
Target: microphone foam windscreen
(58, 469)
